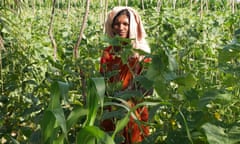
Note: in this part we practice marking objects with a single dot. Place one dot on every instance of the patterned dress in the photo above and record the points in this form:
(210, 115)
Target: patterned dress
(133, 133)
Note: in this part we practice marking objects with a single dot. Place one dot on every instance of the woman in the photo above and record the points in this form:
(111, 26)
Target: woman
(125, 22)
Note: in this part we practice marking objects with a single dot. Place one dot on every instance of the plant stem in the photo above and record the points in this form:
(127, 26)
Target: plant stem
(50, 31)
(186, 126)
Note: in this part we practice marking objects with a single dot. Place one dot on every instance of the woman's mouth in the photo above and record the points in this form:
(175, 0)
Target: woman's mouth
(122, 34)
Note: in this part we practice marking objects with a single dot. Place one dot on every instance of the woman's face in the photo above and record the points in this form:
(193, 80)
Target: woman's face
(121, 26)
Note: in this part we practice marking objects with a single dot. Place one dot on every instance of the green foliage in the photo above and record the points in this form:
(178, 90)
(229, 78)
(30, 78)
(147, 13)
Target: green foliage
(54, 125)
(194, 74)
(54, 115)
(95, 96)
(91, 135)
(221, 135)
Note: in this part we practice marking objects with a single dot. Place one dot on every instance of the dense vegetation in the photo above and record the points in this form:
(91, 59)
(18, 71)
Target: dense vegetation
(50, 96)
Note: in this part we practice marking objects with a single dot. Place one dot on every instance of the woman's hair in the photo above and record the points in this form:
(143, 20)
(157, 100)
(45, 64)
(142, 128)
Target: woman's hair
(122, 12)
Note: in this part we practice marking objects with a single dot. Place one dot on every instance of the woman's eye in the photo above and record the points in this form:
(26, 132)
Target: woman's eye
(116, 24)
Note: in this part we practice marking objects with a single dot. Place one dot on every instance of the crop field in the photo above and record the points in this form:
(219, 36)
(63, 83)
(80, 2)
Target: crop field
(51, 90)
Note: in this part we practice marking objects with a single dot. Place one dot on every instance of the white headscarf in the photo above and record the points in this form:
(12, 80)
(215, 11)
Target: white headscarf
(136, 29)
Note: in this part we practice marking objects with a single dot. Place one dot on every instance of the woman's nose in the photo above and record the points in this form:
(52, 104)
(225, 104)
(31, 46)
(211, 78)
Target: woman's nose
(121, 27)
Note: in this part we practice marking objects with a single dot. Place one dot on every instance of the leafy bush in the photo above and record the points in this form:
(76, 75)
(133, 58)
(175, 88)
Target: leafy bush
(193, 74)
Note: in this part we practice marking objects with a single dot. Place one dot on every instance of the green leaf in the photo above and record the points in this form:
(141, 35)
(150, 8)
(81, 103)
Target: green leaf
(186, 82)
(215, 96)
(54, 114)
(117, 104)
(229, 53)
(59, 140)
(145, 103)
(90, 134)
(226, 97)
(60, 119)
(146, 83)
(47, 125)
(55, 96)
(58, 89)
(64, 88)
(100, 87)
(36, 137)
(129, 94)
(173, 65)
(216, 134)
(116, 41)
(92, 102)
(74, 116)
(158, 66)
(14, 141)
(152, 73)
(161, 89)
(65, 34)
(123, 122)
(120, 125)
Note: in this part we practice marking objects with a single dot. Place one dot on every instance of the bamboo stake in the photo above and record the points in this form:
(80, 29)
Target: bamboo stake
(82, 74)
(206, 2)
(40, 4)
(75, 52)
(191, 4)
(142, 4)
(101, 15)
(159, 4)
(76, 3)
(174, 4)
(58, 4)
(33, 5)
(69, 6)
(105, 13)
(201, 10)
(50, 31)
(1, 49)
(1, 43)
